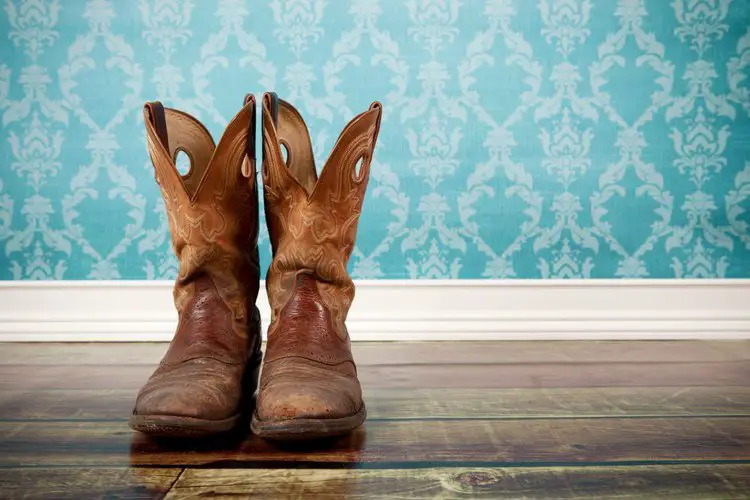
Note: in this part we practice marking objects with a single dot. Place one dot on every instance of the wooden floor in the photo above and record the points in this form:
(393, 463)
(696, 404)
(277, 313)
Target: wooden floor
(446, 420)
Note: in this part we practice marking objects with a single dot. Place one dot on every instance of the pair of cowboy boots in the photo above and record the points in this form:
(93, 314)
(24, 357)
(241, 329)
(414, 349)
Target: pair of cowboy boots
(207, 381)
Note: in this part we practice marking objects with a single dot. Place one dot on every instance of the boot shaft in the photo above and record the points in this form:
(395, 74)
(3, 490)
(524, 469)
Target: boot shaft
(212, 210)
(312, 222)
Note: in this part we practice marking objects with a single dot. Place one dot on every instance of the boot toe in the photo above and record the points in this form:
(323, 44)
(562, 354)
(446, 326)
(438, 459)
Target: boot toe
(201, 389)
(308, 394)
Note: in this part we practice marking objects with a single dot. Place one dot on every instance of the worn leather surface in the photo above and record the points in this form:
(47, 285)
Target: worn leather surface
(309, 371)
(312, 222)
(213, 219)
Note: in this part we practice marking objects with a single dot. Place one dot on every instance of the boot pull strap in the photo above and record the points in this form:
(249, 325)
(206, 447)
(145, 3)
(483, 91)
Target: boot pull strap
(187, 135)
(275, 108)
(159, 121)
(250, 142)
(294, 142)
(271, 100)
(270, 103)
(373, 138)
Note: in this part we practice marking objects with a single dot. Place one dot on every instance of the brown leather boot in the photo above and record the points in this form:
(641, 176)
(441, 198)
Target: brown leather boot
(309, 387)
(207, 378)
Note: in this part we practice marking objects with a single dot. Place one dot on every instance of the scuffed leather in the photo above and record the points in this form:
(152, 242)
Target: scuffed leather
(200, 388)
(308, 371)
(312, 222)
(213, 218)
(300, 388)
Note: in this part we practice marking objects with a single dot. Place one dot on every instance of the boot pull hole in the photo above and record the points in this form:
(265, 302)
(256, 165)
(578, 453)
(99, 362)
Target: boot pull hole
(183, 162)
(358, 171)
(285, 153)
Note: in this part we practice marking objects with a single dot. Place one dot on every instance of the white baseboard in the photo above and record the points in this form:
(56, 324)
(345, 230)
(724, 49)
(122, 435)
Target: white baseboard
(85, 311)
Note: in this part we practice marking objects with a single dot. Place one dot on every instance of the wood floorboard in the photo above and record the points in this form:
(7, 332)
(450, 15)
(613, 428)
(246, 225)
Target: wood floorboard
(684, 482)
(719, 481)
(498, 442)
(421, 404)
(543, 375)
(400, 353)
(75, 484)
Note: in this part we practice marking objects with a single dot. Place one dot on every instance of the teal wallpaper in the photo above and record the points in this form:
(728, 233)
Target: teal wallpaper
(521, 138)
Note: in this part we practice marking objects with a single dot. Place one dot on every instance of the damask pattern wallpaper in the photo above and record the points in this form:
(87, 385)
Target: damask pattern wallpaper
(520, 138)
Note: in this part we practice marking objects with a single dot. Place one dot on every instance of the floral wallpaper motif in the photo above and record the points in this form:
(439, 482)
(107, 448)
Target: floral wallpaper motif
(520, 139)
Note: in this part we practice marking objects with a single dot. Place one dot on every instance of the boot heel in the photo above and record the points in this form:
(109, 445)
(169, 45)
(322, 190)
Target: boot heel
(252, 370)
(253, 363)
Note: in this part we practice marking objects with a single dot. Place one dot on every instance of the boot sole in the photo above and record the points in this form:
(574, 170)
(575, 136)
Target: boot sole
(301, 429)
(173, 426)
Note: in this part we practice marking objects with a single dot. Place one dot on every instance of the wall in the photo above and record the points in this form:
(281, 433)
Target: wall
(546, 138)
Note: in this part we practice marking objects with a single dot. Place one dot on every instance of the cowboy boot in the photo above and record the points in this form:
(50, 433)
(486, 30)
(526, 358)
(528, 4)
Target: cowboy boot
(309, 386)
(207, 378)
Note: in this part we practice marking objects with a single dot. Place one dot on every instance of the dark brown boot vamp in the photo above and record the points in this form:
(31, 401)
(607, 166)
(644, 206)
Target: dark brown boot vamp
(298, 388)
(199, 388)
